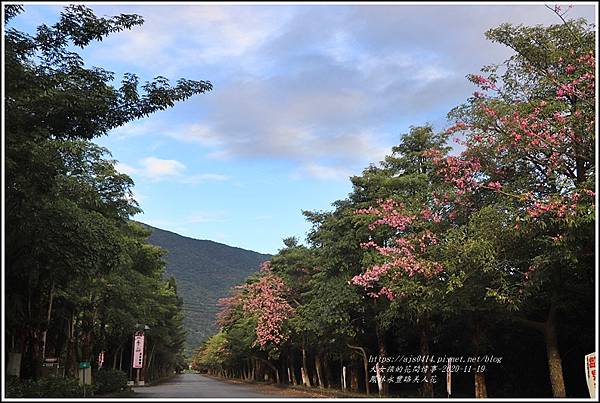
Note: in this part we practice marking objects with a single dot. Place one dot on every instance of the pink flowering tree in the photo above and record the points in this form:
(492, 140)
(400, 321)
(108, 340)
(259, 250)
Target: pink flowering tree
(254, 320)
(405, 254)
(528, 138)
(403, 268)
(265, 299)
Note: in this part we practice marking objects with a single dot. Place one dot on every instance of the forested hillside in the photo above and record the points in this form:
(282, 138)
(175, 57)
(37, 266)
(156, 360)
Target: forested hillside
(205, 271)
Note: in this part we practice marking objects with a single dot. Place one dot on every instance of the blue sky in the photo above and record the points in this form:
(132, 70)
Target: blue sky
(304, 96)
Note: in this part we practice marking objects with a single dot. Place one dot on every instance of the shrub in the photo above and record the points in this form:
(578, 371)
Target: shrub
(110, 380)
(14, 386)
(46, 387)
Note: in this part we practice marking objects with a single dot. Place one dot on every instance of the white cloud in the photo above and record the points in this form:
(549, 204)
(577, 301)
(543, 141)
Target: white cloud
(432, 73)
(126, 169)
(323, 172)
(156, 168)
(193, 35)
(197, 133)
(326, 88)
(135, 128)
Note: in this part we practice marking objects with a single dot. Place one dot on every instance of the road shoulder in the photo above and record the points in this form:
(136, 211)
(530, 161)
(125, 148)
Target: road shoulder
(285, 390)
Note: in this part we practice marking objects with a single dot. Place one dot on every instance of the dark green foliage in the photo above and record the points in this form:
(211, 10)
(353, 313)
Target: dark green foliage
(79, 275)
(46, 388)
(14, 386)
(205, 270)
(109, 381)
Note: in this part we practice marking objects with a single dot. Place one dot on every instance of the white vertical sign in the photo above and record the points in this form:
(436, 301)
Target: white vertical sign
(379, 380)
(138, 350)
(590, 373)
(100, 359)
(449, 377)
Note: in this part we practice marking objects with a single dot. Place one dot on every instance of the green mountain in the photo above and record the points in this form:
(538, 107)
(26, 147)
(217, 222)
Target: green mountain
(205, 271)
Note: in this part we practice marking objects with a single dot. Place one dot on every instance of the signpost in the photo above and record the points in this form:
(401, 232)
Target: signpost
(590, 373)
(84, 367)
(100, 359)
(138, 353)
(379, 380)
(14, 364)
(449, 378)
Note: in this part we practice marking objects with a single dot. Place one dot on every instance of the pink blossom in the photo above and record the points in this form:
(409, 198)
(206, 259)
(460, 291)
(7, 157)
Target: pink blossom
(265, 266)
(478, 79)
(265, 299)
(559, 117)
(494, 185)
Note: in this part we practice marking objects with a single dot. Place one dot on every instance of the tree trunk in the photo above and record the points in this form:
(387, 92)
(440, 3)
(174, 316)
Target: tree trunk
(319, 370)
(48, 318)
(305, 377)
(329, 380)
(424, 336)
(70, 359)
(271, 366)
(380, 333)
(554, 360)
(35, 353)
(149, 362)
(86, 346)
(354, 379)
(479, 377)
(292, 367)
(480, 386)
(115, 356)
(365, 365)
(548, 329)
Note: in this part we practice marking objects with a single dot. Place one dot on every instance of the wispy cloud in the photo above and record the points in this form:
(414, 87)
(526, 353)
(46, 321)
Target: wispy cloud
(156, 169)
(323, 172)
(125, 168)
(197, 133)
(327, 88)
(135, 128)
(193, 35)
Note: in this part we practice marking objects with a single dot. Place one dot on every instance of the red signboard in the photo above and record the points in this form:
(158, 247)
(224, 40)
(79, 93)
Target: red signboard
(449, 377)
(138, 350)
(100, 359)
(590, 373)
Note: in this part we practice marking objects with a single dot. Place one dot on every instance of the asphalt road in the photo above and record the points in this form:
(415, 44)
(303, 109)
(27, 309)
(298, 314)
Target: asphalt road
(197, 386)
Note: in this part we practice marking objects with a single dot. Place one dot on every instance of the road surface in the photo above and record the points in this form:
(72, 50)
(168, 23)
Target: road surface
(198, 386)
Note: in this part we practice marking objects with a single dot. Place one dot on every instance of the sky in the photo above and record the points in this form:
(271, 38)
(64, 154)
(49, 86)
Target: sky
(305, 96)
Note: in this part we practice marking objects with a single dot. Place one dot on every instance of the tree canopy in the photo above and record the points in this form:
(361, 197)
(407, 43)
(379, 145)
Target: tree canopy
(80, 275)
(488, 250)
